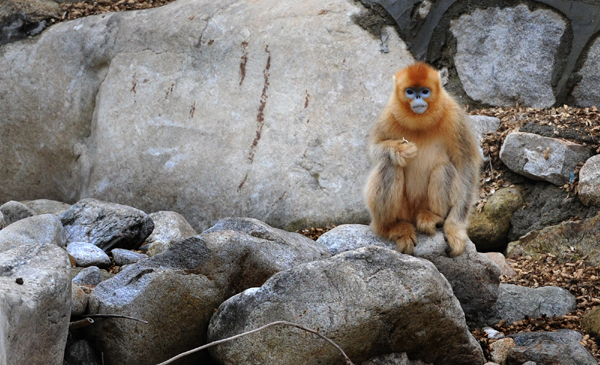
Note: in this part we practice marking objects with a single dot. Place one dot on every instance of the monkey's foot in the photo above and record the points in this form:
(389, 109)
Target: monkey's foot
(457, 240)
(427, 222)
(405, 236)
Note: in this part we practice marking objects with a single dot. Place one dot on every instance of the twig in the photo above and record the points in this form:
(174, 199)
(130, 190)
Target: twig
(80, 324)
(346, 358)
(107, 315)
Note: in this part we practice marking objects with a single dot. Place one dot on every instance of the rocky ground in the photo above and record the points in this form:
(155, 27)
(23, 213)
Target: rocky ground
(85, 8)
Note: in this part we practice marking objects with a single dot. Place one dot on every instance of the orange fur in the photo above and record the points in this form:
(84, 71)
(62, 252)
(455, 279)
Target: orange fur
(427, 165)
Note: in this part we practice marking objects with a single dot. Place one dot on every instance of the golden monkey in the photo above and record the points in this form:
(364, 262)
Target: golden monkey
(426, 163)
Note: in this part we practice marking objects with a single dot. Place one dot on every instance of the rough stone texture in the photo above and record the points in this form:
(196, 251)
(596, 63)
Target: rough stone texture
(572, 240)
(369, 301)
(253, 86)
(515, 302)
(14, 211)
(34, 315)
(542, 158)
(591, 322)
(37, 230)
(106, 225)
(473, 276)
(169, 227)
(499, 259)
(481, 125)
(393, 359)
(46, 206)
(586, 93)
(505, 56)
(125, 257)
(489, 229)
(91, 276)
(560, 347)
(589, 182)
(81, 352)
(546, 205)
(87, 254)
(79, 300)
(22, 18)
(499, 349)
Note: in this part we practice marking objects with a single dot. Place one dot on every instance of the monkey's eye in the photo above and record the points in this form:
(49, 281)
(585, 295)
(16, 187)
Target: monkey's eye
(409, 92)
(425, 92)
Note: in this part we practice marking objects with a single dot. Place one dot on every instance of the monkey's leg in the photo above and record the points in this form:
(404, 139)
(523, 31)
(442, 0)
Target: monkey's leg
(456, 223)
(384, 197)
(438, 196)
(405, 236)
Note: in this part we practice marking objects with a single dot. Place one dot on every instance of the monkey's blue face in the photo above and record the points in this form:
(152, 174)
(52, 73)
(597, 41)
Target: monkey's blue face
(417, 96)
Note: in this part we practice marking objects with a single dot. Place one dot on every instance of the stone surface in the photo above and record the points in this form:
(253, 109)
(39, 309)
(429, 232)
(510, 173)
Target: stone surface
(87, 254)
(499, 259)
(22, 18)
(589, 182)
(46, 206)
(569, 241)
(489, 228)
(37, 230)
(560, 347)
(393, 359)
(515, 302)
(14, 211)
(125, 257)
(542, 158)
(79, 300)
(507, 55)
(106, 225)
(546, 205)
(35, 298)
(91, 276)
(81, 352)
(473, 276)
(586, 94)
(481, 125)
(499, 349)
(169, 227)
(370, 300)
(236, 104)
(591, 322)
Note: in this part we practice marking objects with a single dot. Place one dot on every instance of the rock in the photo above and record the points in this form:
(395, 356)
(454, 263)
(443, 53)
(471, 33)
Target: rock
(46, 206)
(546, 205)
(569, 241)
(480, 125)
(591, 322)
(87, 254)
(499, 349)
(473, 276)
(22, 18)
(79, 300)
(492, 334)
(589, 188)
(585, 93)
(542, 158)
(38, 230)
(106, 225)
(393, 359)
(489, 229)
(125, 257)
(560, 347)
(2, 221)
(81, 352)
(168, 152)
(370, 300)
(14, 211)
(35, 297)
(500, 260)
(506, 55)
(515, 302)
(91, 276)
(169, 227)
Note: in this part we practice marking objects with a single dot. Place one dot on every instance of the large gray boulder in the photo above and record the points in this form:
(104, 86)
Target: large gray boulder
(542, 158)
(369, 301)
(257, 109)
(35, 293)
(169, 227)
(106, 225)
(474, 276)
(586, 93)
(507, 55)
(560, 347)
(589, 182)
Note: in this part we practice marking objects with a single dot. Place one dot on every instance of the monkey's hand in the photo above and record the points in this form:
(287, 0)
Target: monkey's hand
(404, 152)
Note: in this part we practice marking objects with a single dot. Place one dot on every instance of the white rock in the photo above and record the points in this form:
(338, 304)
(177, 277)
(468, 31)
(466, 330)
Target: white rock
(542, 158)
(507, 55)
(87, 254)
(589, 182)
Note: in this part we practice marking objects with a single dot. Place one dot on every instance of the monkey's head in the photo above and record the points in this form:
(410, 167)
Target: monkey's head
(417, 89)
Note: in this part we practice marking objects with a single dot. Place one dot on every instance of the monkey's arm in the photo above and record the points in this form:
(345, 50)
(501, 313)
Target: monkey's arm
(385, 149)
